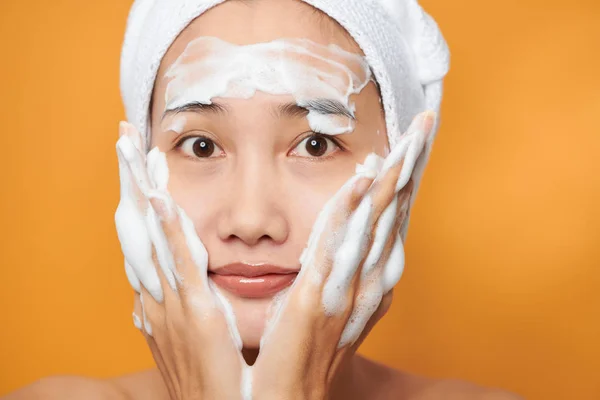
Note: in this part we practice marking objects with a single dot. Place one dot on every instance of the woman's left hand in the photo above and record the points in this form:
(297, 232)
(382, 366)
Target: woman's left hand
(345, 285)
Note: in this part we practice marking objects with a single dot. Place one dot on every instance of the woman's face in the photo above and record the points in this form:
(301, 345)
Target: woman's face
(250, 173)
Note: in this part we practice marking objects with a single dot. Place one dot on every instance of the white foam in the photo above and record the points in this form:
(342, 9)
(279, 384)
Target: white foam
(246, 385)
(178, 124)
(347, 258)
(392, 272)
(134, 238)
(227, 310)
(210, 67)
(137, 322)
(147, 326)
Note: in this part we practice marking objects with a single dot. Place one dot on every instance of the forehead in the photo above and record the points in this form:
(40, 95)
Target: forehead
(256, 21)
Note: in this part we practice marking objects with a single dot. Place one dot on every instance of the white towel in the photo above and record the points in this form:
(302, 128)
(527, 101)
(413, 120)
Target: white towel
(402, 43)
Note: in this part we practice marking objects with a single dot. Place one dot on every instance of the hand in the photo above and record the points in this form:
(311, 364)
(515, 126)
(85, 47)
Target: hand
(195, 348)
(346, 279)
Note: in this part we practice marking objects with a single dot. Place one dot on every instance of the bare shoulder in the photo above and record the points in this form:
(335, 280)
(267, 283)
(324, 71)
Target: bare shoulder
(388, 383)
(147, 385)
(67, 388)
(451, 389)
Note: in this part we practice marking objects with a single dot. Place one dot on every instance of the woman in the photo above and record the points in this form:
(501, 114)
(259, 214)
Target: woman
(262, 110)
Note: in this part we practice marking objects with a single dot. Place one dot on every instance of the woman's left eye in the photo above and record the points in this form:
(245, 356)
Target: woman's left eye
(315, 146)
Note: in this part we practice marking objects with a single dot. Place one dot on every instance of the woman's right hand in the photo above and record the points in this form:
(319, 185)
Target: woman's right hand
(186, 328)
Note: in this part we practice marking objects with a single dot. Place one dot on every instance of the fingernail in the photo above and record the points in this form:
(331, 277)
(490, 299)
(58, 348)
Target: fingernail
(122, 128)
(427, 121)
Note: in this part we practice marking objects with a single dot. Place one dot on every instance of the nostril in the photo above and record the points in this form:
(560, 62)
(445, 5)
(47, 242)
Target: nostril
(249, 239)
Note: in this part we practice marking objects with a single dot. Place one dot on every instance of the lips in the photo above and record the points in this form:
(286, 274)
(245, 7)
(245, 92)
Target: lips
(253, 281)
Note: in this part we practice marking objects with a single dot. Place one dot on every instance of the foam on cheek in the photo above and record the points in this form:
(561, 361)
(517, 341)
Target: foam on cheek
(210, 67)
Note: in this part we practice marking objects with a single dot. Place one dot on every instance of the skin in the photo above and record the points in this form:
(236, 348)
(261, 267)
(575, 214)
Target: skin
(278, 194)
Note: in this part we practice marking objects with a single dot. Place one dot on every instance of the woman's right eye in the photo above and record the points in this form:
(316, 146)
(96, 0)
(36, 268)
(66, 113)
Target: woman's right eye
(199, 147)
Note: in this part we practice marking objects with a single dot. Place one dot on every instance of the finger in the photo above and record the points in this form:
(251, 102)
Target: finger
(153, 313)
(162, 255)
(384, 227)
(132, 277)
(136, 162)
(137, 312)
(394, 265)
(427, 120)
(127, 129)
(165, 369)
(167, 280)
(133, 234)
(382, 309)
(190, 258)
(370, 290)
(410, 146)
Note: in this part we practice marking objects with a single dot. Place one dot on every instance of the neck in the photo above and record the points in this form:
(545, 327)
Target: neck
(347, 383)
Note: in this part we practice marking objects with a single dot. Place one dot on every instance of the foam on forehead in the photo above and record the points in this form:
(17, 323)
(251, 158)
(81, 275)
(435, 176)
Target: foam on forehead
(210, 67)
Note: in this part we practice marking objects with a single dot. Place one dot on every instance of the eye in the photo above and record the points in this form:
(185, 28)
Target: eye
(316, 146)
(199, 147)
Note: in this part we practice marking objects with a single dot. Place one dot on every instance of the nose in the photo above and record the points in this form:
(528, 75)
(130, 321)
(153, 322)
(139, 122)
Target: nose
(253, 212)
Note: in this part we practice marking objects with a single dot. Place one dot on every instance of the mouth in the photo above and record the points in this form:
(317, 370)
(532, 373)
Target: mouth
(253, 280)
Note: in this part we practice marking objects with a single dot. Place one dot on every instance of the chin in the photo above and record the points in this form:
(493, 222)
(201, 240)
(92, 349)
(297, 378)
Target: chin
(251, 317)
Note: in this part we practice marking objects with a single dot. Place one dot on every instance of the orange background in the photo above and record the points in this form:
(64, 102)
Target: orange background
(502, 285)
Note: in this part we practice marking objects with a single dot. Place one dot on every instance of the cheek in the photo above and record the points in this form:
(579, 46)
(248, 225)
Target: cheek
(307, 195)
(193, 190)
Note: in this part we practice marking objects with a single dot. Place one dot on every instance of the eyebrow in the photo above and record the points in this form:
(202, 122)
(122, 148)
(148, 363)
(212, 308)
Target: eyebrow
(197, 107)
(321, 106)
